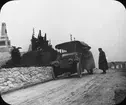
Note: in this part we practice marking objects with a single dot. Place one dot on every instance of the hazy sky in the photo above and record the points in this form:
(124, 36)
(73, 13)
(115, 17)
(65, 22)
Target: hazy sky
(100, 23)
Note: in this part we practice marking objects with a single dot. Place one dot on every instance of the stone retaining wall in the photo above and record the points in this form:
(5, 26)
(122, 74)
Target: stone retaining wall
(16, 78)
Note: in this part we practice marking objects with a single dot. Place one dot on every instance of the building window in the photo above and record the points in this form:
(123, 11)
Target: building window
(2, 43)
(9, 43)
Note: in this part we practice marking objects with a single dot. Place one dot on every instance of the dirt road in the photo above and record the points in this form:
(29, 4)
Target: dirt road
(96, 89)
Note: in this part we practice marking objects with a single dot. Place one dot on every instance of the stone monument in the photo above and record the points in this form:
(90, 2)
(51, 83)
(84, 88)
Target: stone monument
(5, 44)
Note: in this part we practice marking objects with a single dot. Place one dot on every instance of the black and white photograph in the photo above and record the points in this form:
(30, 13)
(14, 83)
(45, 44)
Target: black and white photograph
(63, 52)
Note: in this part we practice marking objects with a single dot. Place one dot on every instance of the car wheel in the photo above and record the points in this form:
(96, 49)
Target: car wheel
(53, 75)
(79, 69)
(55, 72)
(68, 74)
(91, 71)
(88, 71)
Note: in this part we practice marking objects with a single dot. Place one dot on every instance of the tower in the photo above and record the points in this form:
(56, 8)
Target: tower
(33, 32)
(5, 44)
(70, 37)
(45, 37)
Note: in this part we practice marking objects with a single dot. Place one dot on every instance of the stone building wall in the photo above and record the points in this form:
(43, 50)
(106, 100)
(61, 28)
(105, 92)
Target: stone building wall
(16, 78)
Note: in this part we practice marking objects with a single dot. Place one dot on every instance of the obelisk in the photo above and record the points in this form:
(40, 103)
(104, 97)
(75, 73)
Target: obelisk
(5, 44)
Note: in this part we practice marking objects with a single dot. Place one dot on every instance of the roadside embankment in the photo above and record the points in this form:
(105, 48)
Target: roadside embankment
(20, 77)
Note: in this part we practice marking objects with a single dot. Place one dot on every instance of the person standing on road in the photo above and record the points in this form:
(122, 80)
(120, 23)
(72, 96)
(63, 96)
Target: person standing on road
(103, 65)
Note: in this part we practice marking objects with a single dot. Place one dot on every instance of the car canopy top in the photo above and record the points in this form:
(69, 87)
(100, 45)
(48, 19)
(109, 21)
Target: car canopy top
(72, 45)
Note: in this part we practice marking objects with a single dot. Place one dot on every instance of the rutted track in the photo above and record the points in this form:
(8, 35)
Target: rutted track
(93, 89)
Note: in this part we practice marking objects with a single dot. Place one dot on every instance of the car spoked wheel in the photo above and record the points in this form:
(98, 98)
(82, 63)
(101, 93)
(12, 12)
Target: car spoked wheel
(79, 69)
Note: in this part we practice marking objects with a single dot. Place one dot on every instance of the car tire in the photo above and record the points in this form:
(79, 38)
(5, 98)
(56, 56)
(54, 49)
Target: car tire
(69, 74)
(79, 69)
(54, 74)
(91, 71)
(88, 71)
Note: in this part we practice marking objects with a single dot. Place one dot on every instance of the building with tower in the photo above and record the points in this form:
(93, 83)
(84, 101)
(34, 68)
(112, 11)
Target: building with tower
(5, 43)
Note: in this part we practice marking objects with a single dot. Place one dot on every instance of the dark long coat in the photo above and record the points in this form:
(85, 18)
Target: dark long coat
(102, 61)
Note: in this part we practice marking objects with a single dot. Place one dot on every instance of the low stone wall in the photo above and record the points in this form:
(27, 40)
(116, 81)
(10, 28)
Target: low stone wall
(16, 78)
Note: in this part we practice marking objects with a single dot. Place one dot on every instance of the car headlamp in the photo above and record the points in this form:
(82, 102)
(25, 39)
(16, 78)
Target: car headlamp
(76, 58)
(70, 61)
(55, 63)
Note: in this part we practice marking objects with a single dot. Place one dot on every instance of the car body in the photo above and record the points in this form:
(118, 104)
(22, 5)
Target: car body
(74, 57)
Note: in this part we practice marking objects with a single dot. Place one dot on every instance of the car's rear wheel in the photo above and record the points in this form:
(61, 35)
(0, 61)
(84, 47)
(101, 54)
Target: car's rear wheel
(79, 69)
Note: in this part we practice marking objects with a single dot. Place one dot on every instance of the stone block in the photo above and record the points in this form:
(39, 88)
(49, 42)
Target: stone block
(27, 76)
(11, 79)
(24, 71)
(38, 75)
(9, 82)
(16, 73)
(34, 72)
(18, 80)
(2, 80)
(5, 83)
(21, 76)
(11, 85)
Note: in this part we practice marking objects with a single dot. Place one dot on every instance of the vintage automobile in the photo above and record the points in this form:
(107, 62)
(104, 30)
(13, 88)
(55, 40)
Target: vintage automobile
(73, 57)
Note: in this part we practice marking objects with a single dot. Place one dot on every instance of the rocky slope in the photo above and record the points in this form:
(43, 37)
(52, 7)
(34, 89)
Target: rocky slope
(21, 77)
